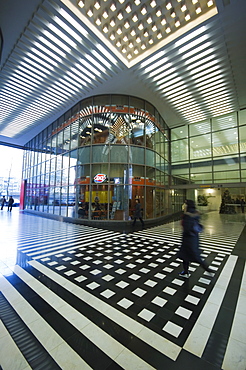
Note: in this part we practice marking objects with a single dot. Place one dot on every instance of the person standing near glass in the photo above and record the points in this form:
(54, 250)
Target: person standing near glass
(138, 213)
(10, 203)
(3, 201)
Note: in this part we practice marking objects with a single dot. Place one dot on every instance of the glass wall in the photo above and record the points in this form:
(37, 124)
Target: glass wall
(210, 152)
(96, 159)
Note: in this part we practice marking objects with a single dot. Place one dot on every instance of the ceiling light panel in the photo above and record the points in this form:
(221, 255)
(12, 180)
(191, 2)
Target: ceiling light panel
(155, 20)
(55, 62)
(187, 73)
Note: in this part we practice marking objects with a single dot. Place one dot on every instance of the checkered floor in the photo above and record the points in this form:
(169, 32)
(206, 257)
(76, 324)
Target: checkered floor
(129, 281)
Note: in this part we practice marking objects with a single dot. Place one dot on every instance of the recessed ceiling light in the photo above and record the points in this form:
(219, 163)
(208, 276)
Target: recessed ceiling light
(168, 5)
(90, 12)
(97, 5)
(81, 4)
(113, 7)
(144, 10)
(128, 8)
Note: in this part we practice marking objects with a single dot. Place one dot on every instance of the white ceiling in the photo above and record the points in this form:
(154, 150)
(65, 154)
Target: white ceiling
(51, 59)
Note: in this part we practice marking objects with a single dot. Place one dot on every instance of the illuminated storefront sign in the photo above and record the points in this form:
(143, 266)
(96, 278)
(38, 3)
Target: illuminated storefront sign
(100, 177)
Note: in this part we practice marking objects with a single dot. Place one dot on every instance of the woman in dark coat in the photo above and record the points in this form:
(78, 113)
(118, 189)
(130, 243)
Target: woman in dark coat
(189, 250)
(138, 213)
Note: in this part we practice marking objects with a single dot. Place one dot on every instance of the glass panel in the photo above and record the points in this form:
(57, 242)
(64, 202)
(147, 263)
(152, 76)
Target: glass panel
(66, 139)
(64, 179)
(65, 161)
(150, 130)
(225, 142)
(149, 202)
(136, 103)
(179, 133)
(119, 129)
(136, 155)
(226, 176)
(74, 134)
(179, 150)
(84, 155)
(242, 117)
(120, 101)
(242, 139)
(72, 175)
(85, 131)
(159, 202)
(226, 163)
(137, 131)
(201, 178)
(60, 142)
(200, 147)
(224, 122)
(101, 123)
(100, 103)
(118, 202)
(243, 162)
(83, 174)
(200, 128)
(99, 201)
(64, 200)
(150, 158)
(118, 173)
(200, 166)
(150, 176)
(71, 201)
(119, 154)
(83, 201)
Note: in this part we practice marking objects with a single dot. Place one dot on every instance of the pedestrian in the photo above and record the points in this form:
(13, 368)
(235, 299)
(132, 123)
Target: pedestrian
(3, 201)
(189, 250)
(138, 213)
(10, 203)
(242, 205)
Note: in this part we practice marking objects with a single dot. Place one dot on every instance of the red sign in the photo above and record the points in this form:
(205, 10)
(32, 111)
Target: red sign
(100, 177)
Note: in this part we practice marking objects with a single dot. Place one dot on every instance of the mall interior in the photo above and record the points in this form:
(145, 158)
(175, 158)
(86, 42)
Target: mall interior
(114, 102)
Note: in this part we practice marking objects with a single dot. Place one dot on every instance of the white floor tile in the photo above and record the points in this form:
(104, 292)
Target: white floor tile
(159, 301)
(184, 312)
(146, 314)
(139, 292)
(125, 303)
(172, 329)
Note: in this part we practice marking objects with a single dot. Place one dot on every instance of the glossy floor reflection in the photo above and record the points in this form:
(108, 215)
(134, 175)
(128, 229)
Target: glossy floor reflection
(76, 297)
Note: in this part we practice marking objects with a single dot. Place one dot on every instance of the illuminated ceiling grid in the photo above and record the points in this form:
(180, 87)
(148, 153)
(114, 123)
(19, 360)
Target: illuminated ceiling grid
(136, 26)
(58, 61)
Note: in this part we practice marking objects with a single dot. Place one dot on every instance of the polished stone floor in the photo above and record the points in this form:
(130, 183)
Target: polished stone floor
(77, 297)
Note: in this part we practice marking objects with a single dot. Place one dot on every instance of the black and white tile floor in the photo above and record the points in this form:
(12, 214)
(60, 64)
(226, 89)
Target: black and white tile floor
(76, 297)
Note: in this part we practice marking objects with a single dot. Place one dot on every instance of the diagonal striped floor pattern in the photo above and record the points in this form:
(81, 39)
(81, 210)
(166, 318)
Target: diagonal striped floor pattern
(92, 298)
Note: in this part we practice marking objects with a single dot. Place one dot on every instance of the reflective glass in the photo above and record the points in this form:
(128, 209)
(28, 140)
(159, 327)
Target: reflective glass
(225, 142)
(242, 117)
(242, 139)
(200, 128)
(179, 133)
(179, 150)
(119, 154)
(200, 147)
(224, 122)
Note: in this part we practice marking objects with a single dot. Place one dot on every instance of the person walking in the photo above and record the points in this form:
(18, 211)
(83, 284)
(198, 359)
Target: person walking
(10, 203)
(189, 250)
(3, 201)
(138, 213)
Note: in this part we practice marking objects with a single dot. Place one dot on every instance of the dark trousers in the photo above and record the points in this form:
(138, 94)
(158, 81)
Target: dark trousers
(186, 266)
(135, 219)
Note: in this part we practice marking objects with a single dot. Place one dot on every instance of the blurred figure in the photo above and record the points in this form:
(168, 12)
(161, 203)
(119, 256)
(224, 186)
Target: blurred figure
(189, 250)
(138, 213)
(10, 203)
(3, 201)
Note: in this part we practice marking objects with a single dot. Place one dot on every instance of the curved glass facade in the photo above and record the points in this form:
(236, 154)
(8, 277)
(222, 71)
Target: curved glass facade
(96, 159)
